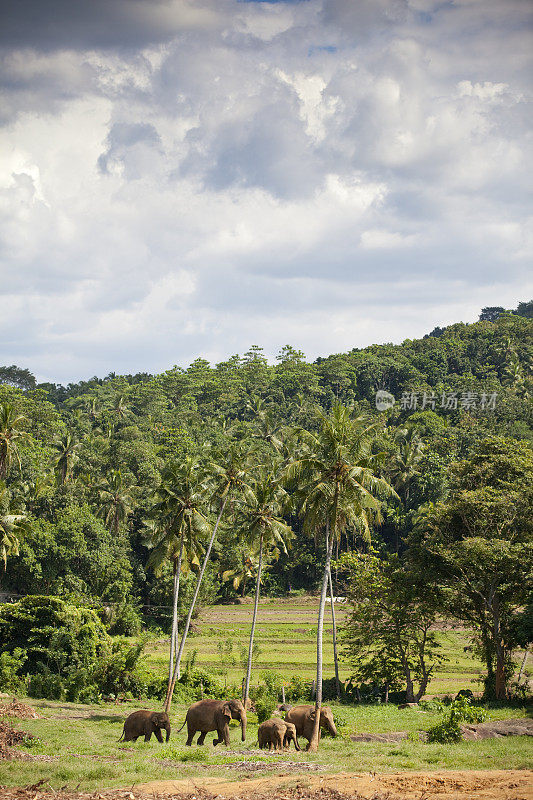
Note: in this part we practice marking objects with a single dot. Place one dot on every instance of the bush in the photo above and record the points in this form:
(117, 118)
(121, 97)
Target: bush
(57, 636)
(449, 728)
(264, 706)
(47, 685)
(10, 668)
(124, 621)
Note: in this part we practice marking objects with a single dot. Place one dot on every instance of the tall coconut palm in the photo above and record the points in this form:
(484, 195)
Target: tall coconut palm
(337, 489)
(67, 454)
(259, 520)
(11, 434)
(178, 523)
(405, 464)
(227, 477)
(116, 498)
(12, 526)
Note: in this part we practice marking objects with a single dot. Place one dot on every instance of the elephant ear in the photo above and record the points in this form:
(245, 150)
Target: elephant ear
(226, 710)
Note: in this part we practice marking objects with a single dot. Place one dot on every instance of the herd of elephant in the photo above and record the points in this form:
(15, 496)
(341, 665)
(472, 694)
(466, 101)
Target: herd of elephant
(215, 715)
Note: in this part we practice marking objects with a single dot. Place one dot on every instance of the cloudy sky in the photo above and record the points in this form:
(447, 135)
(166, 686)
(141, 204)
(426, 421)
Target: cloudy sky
(190, 177)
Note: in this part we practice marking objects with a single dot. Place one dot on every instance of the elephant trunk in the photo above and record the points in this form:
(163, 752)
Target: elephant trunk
(167, 728)
(331, 727)
(296, 743)
(243, 725)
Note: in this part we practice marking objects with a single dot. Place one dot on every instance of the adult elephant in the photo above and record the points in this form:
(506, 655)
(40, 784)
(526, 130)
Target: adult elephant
(276, 734)
(214, 715)
(144, 723)
(303, 718)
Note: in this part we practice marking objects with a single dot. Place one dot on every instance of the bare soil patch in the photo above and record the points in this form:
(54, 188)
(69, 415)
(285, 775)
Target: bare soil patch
(442, 785)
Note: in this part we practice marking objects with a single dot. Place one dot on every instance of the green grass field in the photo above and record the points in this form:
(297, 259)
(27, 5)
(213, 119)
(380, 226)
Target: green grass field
(79, 745)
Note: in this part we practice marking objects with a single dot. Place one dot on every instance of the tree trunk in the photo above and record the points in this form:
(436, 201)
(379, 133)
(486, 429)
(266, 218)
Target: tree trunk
(313, 744)
(175, 594)
(335, 654)
(409, 688)
(175, 674)
(499, 685)
(254, 619)
(386, 698)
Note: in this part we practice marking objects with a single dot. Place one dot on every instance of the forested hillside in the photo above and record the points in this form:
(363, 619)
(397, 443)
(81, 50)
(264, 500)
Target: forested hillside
(89, 472)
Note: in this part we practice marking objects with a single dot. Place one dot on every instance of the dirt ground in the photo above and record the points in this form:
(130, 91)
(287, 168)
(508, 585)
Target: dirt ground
(443, 785)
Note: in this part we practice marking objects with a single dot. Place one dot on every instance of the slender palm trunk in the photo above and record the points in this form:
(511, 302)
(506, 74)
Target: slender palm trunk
(175, 595)
(175, 674)
(335, 653)
(313, 744)
(254, 619)
(334, 625)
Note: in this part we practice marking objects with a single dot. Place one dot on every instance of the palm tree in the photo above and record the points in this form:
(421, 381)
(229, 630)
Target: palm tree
(11, 432)
(261, 525)
(405, 462)
(116, 500)
(177, 524)
(66, 457)
(337, 489)
(227, 477)
(246, 569)
(12, 526)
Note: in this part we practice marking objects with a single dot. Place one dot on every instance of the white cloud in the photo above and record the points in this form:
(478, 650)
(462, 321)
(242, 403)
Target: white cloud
(224, 173)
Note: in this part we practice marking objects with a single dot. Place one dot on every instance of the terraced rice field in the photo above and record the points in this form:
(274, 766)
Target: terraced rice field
(286, 638)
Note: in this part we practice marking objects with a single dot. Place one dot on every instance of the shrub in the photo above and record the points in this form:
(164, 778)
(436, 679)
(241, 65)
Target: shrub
(57, 636)
(10, 668)
(47, 685)
(125, 621)
(449, 728)
(264, 706)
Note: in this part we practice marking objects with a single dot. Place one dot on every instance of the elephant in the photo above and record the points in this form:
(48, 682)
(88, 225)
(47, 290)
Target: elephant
(214, 715)
(144, 723)
(303, 718)
(277, 734)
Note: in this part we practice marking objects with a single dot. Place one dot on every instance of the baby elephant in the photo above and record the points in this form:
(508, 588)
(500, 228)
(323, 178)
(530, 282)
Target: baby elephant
(144, 723)
(277, 734)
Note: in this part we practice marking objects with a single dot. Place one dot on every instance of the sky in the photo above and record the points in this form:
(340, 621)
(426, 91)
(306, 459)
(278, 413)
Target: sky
(184, 178)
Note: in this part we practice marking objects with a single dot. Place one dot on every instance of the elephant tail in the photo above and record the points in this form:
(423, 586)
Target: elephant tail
(122, 734)
(182, 727)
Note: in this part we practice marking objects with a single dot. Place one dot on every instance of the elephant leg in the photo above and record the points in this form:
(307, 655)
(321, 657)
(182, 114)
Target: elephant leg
(157, 734)
(201, 738)
(147, 736)
(190, 735)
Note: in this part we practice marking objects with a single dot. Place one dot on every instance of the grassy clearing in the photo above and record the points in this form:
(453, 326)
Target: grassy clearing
(82, 745)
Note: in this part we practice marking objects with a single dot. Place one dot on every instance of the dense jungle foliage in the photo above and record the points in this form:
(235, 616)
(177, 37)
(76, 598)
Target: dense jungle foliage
(89, 471)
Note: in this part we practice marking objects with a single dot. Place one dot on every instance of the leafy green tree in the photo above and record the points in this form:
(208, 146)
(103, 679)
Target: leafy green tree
(73, 554)
(388, 629)
(475, 549)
